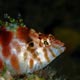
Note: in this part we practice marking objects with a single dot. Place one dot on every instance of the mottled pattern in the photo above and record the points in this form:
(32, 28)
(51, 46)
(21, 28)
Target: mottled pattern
(24, 50)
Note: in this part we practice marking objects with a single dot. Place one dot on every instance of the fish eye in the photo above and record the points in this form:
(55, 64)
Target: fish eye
(31, 44)
(45, 42)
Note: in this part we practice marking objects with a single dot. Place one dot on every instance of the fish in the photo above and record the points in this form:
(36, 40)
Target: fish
(23, 50)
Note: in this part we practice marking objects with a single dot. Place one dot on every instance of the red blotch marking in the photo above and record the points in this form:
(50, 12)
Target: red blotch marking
(22, 33)
(6, 51)
(5, 37)
(31, 63)
(1, 64)
(15, 62)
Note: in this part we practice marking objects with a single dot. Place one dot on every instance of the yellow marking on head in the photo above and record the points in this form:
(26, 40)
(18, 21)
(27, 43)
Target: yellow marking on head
(25, 56)
(35, 56)
(15, 62)
(46, 55)
(39, 60)
(31, 62)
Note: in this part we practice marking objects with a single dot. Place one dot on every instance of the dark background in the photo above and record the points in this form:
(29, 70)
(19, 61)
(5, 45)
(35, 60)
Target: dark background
(59, 17)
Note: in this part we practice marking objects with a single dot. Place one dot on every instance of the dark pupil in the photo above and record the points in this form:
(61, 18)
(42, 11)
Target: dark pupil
(31, 44)
(45, 42)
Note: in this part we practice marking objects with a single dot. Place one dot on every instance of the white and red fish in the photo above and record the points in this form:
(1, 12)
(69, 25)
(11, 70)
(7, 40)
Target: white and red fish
(24, 50)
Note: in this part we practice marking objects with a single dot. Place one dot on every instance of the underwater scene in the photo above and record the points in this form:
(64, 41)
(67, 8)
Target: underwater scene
(39, 40)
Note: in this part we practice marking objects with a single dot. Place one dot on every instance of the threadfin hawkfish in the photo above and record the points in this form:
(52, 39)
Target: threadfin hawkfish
(24, 50)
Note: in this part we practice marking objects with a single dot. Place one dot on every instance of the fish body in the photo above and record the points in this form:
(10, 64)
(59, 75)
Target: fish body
(23, 50)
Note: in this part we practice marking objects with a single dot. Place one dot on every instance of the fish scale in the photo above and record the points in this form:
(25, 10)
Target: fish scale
(24, 50)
